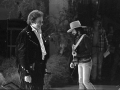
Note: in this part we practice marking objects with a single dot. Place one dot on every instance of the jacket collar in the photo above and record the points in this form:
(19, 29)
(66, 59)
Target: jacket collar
(31, 35)
(34, 29)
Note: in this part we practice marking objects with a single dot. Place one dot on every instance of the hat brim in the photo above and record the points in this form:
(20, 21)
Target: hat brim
(70, 30)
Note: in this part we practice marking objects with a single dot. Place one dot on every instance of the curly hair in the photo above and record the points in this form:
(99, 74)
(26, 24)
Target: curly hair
(33, 15)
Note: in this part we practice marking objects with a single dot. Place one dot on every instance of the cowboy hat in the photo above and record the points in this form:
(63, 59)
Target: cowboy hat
(75, 24)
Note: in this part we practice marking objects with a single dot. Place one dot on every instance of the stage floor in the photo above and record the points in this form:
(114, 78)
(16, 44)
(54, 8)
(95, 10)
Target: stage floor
(75, 87)
(98, 87)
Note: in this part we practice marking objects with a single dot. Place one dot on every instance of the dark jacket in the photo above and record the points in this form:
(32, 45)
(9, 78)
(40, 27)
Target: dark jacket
(29, 55)
(84, 49)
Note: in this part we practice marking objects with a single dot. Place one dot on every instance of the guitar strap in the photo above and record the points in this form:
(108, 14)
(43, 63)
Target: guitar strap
(79, 41)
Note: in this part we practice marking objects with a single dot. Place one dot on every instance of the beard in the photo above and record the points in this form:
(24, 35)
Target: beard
(74, 37)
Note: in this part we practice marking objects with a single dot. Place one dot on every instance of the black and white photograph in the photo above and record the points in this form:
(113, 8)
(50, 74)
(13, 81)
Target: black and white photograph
(59, 45)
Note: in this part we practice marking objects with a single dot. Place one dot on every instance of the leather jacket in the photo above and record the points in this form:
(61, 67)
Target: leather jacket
(84, 49)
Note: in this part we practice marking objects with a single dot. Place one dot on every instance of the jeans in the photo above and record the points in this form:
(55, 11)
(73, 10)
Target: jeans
(84, 71)
(97, 58)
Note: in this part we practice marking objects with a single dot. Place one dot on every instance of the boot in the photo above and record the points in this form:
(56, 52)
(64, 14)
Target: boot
(81, 86)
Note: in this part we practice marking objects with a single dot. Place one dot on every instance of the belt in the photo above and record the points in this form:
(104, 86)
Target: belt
(85, 60)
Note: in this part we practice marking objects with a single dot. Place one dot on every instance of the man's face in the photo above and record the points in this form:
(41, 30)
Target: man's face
(74, 32)
(97, 23)
(38, 22)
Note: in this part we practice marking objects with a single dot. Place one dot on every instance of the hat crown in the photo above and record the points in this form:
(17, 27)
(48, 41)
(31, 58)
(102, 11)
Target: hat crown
(75, 24)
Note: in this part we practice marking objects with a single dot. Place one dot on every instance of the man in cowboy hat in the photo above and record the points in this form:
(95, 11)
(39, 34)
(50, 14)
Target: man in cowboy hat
(81, 51)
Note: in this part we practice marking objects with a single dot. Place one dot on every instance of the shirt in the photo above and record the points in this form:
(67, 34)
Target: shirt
(102, 38)
(39, 36)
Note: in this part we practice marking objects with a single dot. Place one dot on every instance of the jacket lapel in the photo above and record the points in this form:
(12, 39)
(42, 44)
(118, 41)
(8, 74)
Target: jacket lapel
(32, 37)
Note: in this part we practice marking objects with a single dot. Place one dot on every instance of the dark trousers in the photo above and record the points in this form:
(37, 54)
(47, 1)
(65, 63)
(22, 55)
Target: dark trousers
(37, 79)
